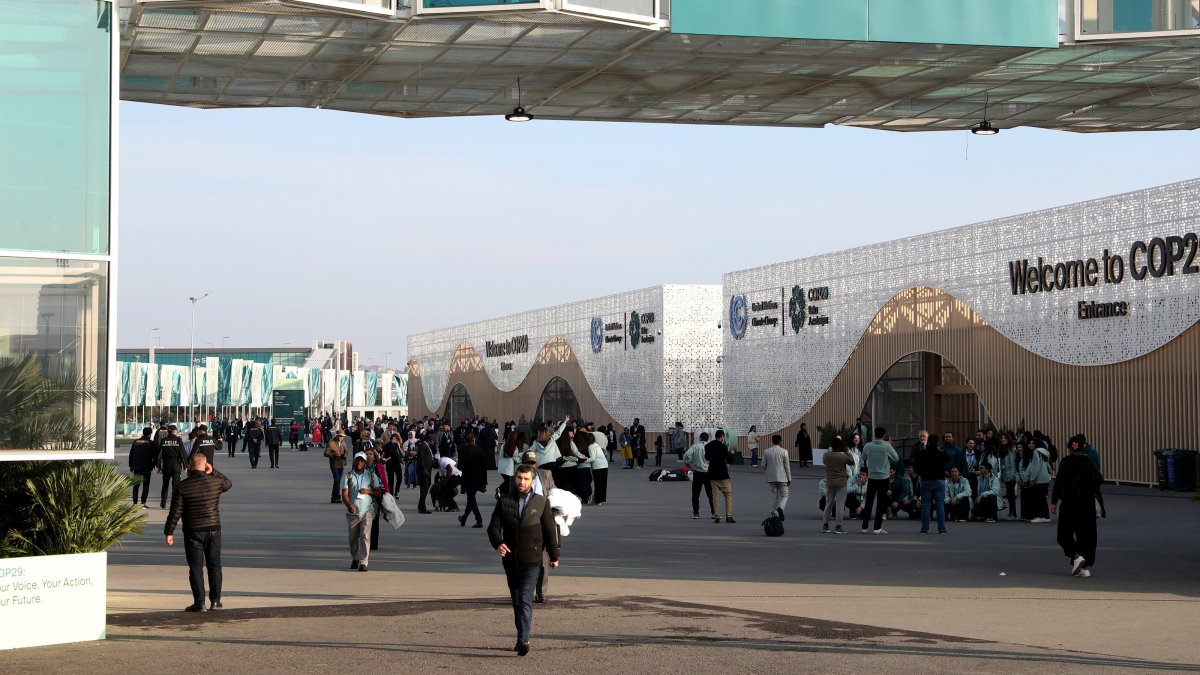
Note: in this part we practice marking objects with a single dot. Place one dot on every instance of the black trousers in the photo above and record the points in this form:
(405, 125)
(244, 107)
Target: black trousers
(877, 496)
(986, 508)
(958, 511)
(273, 455)
(144, 485)
(1077, 530)
(233, 444)
(203, 550)
(1010, 494)
(424, 482)
(701, 478)
(170, 483)
(472, 507)
(600, 480)
(395, 474)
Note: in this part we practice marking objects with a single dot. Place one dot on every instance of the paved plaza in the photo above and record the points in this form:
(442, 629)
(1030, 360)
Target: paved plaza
(644, 588)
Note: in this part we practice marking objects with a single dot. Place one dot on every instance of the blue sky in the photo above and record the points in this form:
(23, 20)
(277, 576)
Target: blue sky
(309, 224)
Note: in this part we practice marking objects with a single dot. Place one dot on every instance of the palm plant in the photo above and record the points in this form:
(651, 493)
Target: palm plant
(62, 507)
(39, 412)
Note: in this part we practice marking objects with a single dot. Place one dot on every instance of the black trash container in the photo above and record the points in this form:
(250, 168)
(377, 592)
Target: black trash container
(1175, 469)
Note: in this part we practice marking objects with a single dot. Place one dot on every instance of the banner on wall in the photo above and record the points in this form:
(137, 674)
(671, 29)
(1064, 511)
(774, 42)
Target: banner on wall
(372, 388)
(223, 382)
(314, 386)
(329, 387)
(343, 389)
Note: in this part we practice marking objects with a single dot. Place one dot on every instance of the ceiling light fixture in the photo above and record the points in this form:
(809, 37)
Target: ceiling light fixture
(518, 114)
(985, 127)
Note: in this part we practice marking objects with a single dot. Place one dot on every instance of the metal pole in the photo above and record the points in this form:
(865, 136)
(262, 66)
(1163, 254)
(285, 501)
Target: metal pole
(192, 362)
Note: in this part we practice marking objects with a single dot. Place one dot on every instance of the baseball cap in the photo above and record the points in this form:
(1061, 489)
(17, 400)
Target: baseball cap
(172, 428)
(529, 457)
(360, 455)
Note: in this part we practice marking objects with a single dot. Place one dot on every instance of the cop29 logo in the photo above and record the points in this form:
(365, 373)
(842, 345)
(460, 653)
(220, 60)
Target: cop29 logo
(635, 329)
(739, 316)
(597, 334)
(797, 311)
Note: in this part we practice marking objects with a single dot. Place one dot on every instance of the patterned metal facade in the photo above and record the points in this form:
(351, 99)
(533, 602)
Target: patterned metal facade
(650, 353)
(800, 321)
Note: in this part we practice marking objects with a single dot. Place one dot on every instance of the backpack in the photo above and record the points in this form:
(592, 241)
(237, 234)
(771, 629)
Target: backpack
(773, 526)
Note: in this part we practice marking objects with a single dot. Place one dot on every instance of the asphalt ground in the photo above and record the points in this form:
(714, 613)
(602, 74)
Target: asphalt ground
(644, 587)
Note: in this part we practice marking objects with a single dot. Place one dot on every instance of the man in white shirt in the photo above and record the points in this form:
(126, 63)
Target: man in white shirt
(449, 477)
(778, 468)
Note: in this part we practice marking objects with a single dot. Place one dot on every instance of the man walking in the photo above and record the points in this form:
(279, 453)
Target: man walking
(637, 440)
(253, 442)
(778, 467)
(717, 454)
(678, 440)
(359, 492)
(837, 464)
(930, 464)
(425, 463)
(473, 466)
(170, 462)
(141, 463)
(879, 455)
(1077, 488)
(196, 501)
(521, 529)
(274, 440)
(205, 444)
(694, 460)
(335, 450)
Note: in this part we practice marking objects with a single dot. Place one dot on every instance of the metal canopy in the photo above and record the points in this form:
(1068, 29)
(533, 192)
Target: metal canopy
(273, 54)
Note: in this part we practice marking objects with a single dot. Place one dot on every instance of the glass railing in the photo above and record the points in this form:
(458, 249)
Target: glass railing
(1116, 18)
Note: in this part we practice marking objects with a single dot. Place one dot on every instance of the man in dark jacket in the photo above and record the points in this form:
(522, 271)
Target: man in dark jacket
(232, 432)
(804, 445)
(141, 462)
(488, 440)
(930, 463)
(474, 477)
(274, 440)
(1077, 490)
(522, 528)
(253, 442)
(425, 464)
(170, 461)
(717, 454)
(197, 501)
(205, 444)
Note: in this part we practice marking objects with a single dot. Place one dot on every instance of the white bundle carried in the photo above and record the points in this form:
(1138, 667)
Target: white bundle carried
(566, 507)
(391, 511)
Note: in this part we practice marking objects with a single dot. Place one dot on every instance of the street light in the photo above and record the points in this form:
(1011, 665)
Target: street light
(385, 355)
(223, 339)
(192, 359)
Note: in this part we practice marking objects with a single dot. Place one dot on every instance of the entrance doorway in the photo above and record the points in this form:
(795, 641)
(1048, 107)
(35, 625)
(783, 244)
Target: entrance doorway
(459, 406)
(924, 391)
(557, 401)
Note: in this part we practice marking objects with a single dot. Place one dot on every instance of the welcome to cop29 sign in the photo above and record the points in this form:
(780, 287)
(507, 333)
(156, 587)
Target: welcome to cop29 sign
(1159, 257)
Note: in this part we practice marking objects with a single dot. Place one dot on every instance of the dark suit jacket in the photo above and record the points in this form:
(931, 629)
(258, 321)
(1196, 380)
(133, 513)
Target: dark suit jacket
(425, 461)
(273, 437)
(527, 538)
(474, 471)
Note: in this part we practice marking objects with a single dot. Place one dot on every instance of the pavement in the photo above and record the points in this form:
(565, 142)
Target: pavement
(645, 588)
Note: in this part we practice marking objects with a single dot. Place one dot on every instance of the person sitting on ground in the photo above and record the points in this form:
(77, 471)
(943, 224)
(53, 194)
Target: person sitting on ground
(991, 498)
(856, 497)
(958, 496)
(901, 496)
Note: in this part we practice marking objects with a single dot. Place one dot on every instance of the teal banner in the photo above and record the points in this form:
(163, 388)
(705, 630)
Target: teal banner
(1012, 23)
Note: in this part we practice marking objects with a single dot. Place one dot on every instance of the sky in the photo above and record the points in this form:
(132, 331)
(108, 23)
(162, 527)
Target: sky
(317, 224)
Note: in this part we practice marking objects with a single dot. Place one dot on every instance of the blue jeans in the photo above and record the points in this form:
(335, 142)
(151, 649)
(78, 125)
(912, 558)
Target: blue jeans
(933, 492)
(521, 584)
(337, 483)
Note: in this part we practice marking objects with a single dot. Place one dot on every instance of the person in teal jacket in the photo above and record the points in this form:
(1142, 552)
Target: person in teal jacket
(856, 494)
(902, 494)
(1035, 485)
(991, 497)
(958, 496)
(879, 455)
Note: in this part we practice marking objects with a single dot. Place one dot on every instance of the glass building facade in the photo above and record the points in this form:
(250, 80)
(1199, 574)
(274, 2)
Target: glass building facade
(282, 356)
(56, 227)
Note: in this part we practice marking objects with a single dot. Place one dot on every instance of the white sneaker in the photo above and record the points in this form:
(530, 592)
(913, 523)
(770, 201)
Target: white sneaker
(1076, 565)
(1040, 520)
(880, 531)
(865, 530)
(1085, 572)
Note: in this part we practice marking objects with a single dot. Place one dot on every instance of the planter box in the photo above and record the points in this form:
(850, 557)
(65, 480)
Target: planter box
(49, 600)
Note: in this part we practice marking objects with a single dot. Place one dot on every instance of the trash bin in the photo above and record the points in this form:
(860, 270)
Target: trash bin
(1175, 469)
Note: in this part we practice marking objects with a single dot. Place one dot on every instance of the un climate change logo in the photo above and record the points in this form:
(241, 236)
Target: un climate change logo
(597, 334)
(635, 329)
(739, 316)
(797, 309)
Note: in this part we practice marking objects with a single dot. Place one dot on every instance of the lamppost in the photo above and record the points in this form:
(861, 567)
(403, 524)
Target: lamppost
(223, 339)
(385, 355)
(146, 408)
(192, 360)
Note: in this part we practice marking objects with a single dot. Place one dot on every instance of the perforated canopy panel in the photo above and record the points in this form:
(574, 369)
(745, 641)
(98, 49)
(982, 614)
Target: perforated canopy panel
(272, 54)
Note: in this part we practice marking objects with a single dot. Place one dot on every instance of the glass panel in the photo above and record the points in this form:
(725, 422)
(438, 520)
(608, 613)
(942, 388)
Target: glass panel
(53, 355)
(558, 400)
(636, 7)
(459, 407)
(444, 4)
(55, 125)
(1103, 17)
(898, 401)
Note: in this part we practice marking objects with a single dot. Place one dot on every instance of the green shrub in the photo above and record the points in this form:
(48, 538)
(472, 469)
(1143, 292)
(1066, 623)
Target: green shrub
(62, 507)
(827, 431)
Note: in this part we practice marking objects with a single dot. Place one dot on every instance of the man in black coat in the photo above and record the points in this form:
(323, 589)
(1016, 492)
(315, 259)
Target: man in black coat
(170, 461)
(474, 477)
(274, 440)
(197, 500)
(637, 440)
(142, 456)
(488, 439)
(253, 443)
(522, 528)
(425, 464)
(804, 446)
